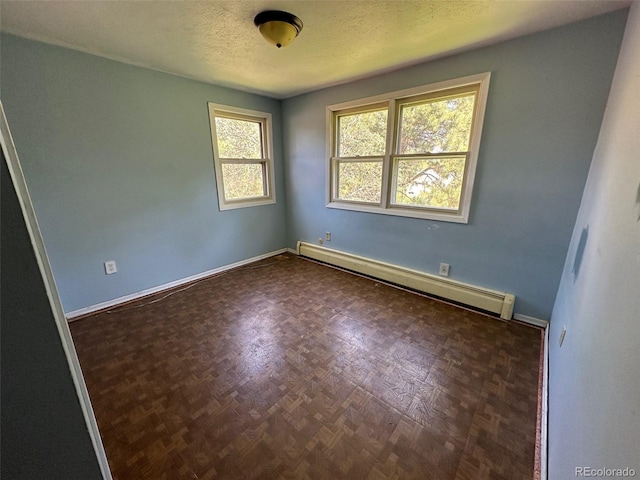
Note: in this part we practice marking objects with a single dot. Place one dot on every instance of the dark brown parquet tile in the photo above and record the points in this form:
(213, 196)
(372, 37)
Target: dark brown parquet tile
(287, 369)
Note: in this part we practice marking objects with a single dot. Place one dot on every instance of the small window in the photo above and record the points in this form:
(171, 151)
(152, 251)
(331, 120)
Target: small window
(242, 156)
(411, 153)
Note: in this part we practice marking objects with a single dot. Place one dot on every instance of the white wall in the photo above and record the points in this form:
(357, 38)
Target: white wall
(594, 389)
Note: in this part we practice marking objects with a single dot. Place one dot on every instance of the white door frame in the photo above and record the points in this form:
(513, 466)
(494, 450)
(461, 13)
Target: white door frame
(31, 221)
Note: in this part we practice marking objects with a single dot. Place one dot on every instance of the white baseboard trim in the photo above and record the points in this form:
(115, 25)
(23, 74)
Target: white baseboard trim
(544, 430)
(538, 322)
(544, 425)
(292, 250)
(150, 291)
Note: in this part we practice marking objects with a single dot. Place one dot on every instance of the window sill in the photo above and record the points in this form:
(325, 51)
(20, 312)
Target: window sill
(246, 203)
(401, 212)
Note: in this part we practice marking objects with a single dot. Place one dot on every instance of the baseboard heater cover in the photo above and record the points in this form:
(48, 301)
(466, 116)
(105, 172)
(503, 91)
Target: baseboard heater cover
(471, 295)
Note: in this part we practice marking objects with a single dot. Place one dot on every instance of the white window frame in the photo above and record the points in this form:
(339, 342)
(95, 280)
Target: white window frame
(264, 119)
(386, 206)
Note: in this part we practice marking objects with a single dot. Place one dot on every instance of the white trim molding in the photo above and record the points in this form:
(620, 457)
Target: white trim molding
(31, 221)
(544, 433)
(267, 161)
(544, 411)
(75, 314)
(537, 322)
(392, 102)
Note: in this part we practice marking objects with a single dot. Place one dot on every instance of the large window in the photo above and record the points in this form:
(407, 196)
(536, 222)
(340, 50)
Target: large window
(242, 156)
(411, 153)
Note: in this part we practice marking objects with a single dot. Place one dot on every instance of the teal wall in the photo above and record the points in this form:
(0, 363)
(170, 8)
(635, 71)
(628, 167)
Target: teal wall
(546, 100)
(119, 163)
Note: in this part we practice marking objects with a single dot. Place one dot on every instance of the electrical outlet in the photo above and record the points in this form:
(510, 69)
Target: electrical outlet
(327, 236)
(444, 269)
(562, 334)
(320, 241)
(110, 267)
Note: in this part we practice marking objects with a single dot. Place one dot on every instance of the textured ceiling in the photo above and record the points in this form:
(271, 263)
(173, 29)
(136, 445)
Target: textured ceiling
(216, 41)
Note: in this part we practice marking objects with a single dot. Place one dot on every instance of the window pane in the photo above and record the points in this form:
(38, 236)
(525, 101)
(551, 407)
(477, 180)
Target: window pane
(362, 134)
(238, 138)
(242, 180)
(431, 182)
(360, 181)
(436, 126)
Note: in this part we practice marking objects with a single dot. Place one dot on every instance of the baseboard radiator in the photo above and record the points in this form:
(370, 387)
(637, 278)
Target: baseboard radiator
(485, 299)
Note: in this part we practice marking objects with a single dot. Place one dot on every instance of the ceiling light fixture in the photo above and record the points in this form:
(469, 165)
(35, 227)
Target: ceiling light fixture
(278, 28)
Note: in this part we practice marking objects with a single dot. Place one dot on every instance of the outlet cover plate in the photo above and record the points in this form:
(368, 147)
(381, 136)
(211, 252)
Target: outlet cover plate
(110, 267)
(444, 269)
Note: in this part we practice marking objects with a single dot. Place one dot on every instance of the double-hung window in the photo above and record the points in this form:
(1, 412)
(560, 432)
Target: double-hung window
(243, 156)
(411, 153)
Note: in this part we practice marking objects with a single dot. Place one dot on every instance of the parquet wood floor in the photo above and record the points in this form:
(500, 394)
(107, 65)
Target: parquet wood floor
(287, 369)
